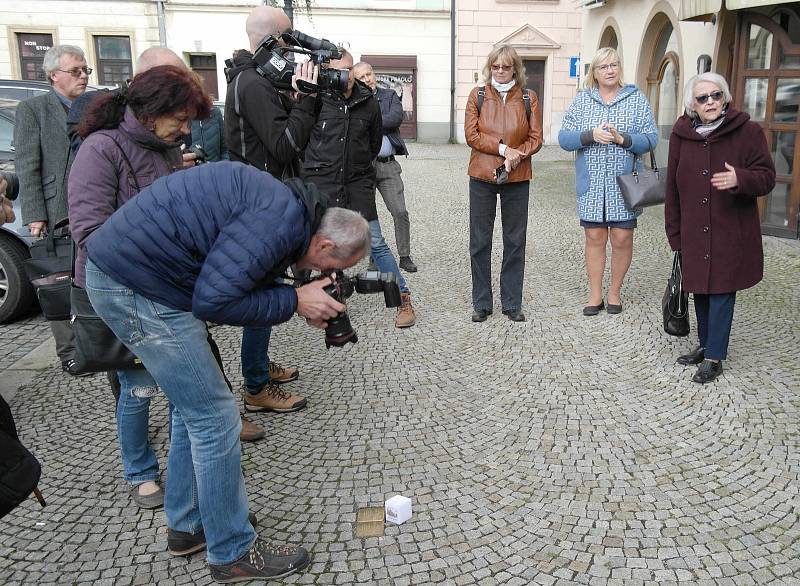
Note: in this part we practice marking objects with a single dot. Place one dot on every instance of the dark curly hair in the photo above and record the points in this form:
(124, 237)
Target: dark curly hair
(159, 91)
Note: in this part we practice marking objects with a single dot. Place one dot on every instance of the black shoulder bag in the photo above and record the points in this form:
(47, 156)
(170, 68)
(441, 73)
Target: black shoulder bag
(97, 349)
(19, 469)
(644, 188)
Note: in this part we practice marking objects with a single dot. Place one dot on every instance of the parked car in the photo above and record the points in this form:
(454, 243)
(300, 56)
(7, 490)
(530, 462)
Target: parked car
(20, 89)
(16, 293)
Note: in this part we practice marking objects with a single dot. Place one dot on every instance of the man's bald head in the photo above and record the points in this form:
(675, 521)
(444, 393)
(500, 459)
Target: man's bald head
(263, 21)
(157, 56)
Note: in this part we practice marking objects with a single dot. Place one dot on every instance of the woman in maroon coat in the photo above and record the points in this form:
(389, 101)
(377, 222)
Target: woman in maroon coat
(719, 164)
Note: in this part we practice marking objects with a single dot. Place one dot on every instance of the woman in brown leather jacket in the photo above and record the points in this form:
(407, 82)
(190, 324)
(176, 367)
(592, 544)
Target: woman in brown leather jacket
(502, 125)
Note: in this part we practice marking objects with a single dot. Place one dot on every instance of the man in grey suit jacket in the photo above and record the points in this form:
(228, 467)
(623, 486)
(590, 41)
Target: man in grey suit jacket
(42, 157)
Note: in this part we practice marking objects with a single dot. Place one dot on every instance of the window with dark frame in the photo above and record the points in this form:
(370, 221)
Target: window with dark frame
(32, 47)
(114, 63)
(205, 66)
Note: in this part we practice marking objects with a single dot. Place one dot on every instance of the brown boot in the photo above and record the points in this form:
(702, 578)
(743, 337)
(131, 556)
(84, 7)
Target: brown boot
(272, 398)
(250, 431)
(279, 375)
(405, 315)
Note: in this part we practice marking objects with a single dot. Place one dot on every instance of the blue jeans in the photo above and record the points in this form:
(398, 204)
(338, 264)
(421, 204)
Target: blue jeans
(205, 487)
(139, 462)
(255, 358)
(383, 257)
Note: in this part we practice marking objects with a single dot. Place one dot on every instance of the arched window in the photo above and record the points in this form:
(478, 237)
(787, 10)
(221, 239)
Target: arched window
(663, 86)
(609, 38)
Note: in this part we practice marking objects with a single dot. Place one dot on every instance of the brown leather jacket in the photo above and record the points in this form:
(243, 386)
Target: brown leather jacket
(501, 123)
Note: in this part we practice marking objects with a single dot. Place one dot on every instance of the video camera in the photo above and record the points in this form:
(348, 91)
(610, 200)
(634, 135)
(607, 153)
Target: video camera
(339, 331)
(276, 62)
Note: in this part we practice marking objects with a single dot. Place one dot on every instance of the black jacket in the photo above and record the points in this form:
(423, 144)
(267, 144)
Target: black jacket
(264, 127)
(392, 115)
(344, 142)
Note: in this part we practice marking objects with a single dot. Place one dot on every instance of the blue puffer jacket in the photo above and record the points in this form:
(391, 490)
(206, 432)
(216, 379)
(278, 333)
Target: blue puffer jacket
(597, 165)
(211, 240)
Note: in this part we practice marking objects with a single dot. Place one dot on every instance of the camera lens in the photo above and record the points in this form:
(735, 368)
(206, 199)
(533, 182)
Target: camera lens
(339, 331)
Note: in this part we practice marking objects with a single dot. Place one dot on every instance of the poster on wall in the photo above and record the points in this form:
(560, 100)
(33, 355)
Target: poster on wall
(404, 84)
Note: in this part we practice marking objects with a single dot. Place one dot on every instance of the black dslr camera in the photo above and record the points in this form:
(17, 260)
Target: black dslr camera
(276, 62)
(201, 156)
(339, 331)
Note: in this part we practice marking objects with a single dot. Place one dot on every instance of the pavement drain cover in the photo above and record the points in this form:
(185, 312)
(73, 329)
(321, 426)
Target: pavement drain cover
(369, 522)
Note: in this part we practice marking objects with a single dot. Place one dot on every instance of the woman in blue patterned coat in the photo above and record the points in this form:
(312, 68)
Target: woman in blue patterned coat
(606, 124)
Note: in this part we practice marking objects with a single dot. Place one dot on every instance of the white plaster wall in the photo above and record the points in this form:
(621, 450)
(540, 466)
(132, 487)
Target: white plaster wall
(73, 22)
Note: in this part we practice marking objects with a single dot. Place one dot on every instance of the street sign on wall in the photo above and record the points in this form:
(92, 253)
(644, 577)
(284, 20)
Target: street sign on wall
(574, 62)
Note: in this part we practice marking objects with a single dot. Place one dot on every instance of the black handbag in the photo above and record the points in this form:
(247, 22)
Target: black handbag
(97, 348)
(675, 303)
(644, 188)
(49, 270)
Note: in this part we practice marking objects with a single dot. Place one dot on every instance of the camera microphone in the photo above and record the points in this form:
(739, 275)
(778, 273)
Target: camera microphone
(314, 44)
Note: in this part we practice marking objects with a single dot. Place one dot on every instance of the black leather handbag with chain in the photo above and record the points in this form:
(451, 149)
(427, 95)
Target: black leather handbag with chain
(675, 303)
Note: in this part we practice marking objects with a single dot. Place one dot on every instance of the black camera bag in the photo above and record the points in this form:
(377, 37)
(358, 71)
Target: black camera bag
(50, 271)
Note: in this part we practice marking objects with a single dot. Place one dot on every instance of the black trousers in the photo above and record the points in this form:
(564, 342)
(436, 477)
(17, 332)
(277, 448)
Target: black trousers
(514, 220)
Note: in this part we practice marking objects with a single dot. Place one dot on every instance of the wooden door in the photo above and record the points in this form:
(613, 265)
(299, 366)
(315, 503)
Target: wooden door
(534, 71)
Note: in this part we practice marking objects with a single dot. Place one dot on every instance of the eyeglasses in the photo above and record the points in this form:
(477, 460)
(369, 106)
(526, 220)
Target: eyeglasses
(502, 67)
(607, 66)
(714, 96)
(76, 72)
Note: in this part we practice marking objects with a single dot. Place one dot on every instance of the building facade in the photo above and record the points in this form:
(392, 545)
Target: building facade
(545, 33)
(408, 42)
(754, 44)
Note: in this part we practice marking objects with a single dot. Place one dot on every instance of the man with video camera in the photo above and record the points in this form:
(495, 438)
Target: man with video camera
(266, 127)
(345, 141)
(211, 244)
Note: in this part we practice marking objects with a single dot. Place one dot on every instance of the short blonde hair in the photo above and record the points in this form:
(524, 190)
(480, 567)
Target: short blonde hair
(716, 79)
(506, 53)
(602, 54)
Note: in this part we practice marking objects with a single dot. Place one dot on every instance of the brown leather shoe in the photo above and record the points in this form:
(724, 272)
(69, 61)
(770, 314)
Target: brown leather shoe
(279, 375)
(406, 317)
(250, 431)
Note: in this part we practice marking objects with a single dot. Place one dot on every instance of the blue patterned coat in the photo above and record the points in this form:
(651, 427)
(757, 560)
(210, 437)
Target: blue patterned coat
(597, 165)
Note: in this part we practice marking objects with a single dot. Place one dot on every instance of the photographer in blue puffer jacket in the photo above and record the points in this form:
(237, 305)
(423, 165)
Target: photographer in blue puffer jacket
(211, 243)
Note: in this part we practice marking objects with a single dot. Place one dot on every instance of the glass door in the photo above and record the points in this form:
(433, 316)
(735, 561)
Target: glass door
(768, 88)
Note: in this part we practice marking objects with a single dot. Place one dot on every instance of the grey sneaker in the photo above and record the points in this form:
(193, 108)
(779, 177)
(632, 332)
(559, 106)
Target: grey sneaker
(148, 501)
(264, 560)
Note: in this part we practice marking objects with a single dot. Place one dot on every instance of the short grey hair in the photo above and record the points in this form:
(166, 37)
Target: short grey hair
(53, 56)
(716, 79)
(348, 230)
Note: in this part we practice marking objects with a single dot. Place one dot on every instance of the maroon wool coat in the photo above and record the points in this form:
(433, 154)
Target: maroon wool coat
(718, 231)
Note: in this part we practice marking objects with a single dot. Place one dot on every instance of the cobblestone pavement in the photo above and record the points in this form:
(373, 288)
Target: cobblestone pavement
(563, 450)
